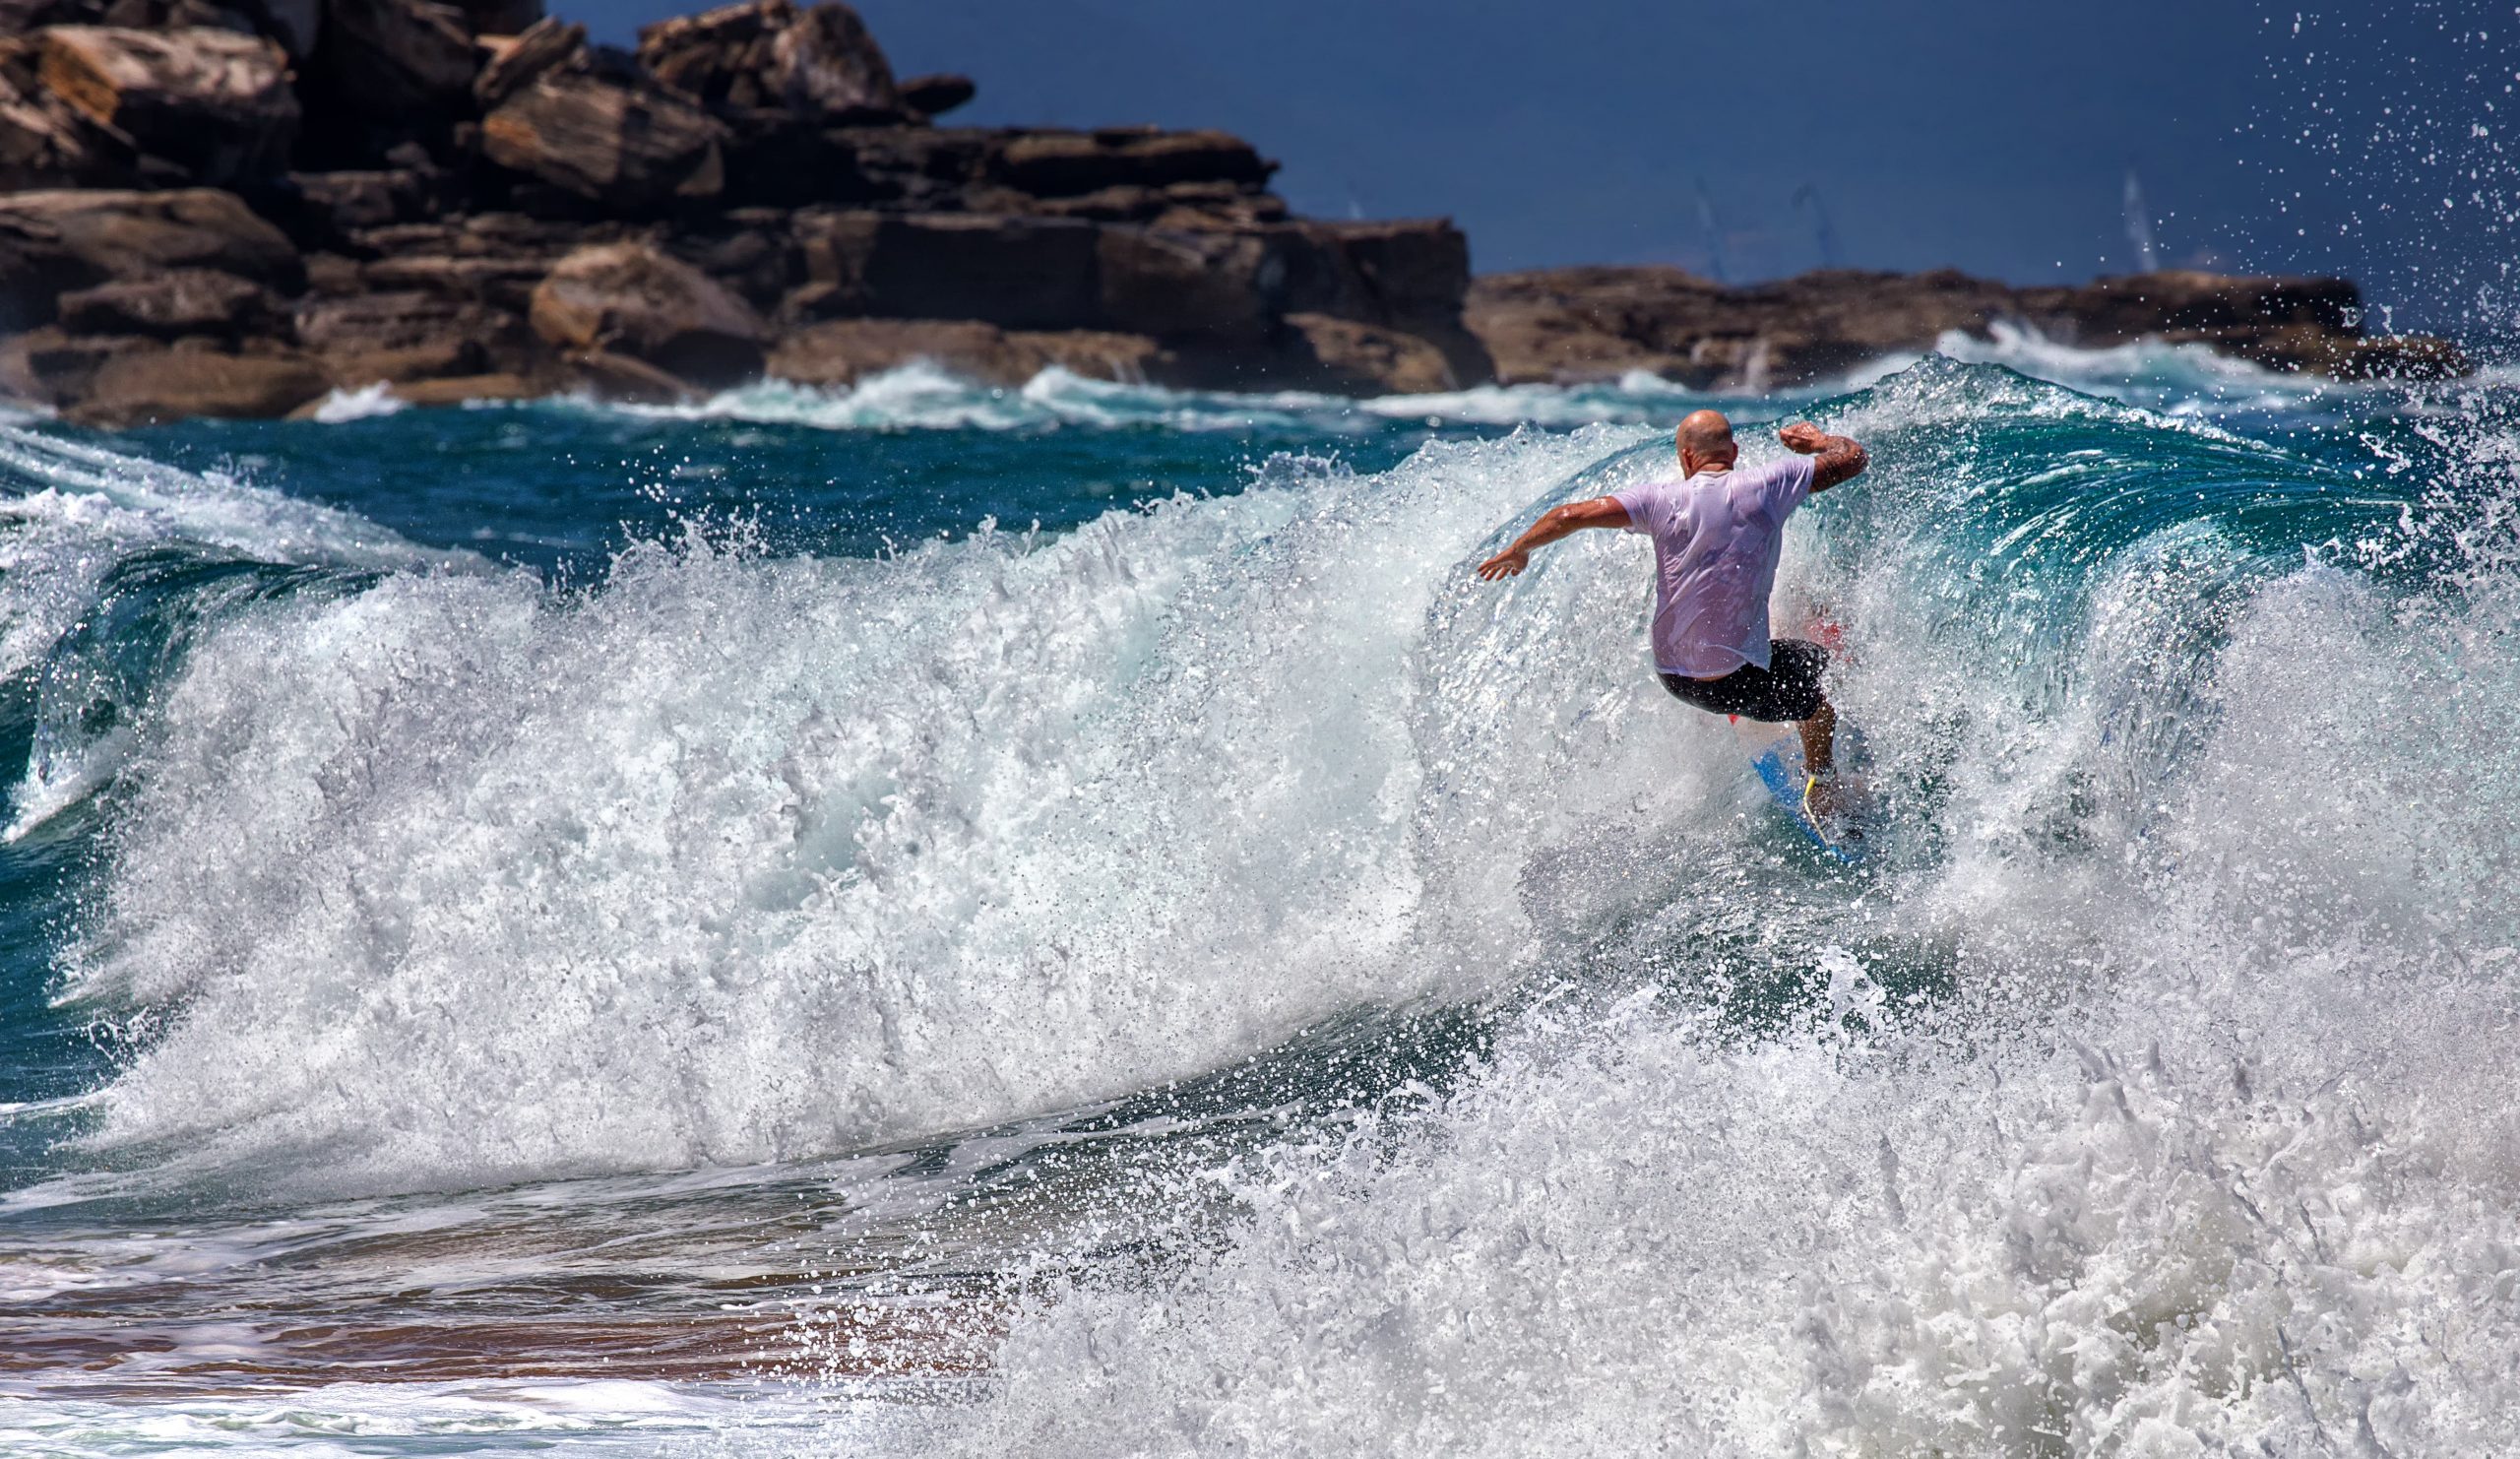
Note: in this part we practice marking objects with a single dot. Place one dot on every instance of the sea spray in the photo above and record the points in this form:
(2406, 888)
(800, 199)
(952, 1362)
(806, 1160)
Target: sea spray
(2149, 1093)
(736, 858)
(2210, 1146)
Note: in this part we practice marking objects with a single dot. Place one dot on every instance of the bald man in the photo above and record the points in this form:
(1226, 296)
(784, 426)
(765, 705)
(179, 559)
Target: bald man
(1716, 536)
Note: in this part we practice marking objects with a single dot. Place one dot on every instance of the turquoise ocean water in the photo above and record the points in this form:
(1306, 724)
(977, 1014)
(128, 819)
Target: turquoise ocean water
(1064, 922)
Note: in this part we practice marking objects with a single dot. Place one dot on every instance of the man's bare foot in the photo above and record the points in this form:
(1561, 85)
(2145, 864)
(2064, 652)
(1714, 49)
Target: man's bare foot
(1827, 800)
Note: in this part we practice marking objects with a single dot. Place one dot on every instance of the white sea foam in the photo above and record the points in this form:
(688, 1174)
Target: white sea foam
(351, 1419)
(2206, 1146)
(366, 403)
(740, 859)
(924, 395)
(2213, 1149)
(2185, 378)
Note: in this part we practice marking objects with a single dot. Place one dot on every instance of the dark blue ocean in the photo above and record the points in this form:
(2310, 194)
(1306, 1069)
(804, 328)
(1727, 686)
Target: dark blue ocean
(1065, 922)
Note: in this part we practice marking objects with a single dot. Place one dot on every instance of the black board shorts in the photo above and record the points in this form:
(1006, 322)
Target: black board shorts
(1788, 689)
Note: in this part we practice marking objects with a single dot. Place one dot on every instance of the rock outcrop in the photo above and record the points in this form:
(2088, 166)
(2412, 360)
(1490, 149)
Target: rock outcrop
(212, 102)
(608, 138)
(234, 207)
(1568, 325)
(629, 299)
(54, 242)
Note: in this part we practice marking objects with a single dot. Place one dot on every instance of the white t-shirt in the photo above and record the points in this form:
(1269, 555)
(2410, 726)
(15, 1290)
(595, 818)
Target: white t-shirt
(1717, 537)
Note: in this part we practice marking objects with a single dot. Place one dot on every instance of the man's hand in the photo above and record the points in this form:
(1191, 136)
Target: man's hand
(1555, 523)
(1841, 460)
(1504, 565)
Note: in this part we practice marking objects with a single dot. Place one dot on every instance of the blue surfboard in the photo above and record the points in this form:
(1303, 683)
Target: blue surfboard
(1776, 754)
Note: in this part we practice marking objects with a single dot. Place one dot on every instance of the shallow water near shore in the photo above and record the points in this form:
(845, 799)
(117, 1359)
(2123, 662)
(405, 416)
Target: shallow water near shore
(1064, 922)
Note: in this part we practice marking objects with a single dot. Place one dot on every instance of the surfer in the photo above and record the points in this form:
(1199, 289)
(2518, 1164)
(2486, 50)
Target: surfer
(1717, 534)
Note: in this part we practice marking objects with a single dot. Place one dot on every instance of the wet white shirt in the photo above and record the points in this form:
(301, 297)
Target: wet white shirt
(1717, 537)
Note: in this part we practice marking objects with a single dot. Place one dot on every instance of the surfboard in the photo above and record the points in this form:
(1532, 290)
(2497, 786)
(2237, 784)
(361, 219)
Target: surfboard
(1776, 754)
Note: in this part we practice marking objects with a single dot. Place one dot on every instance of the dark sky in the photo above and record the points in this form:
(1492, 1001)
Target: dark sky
(1994, 134)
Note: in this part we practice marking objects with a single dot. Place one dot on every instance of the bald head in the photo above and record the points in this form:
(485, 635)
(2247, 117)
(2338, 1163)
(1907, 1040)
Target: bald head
(1705, 439)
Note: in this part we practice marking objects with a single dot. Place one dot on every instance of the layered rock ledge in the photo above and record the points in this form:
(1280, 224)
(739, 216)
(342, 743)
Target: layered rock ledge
(236, 207)
(1573, 325)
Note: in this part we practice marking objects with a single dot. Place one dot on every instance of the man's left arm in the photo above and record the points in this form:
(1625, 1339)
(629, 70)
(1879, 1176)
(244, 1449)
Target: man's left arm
(1555, 523)
(1837, 459)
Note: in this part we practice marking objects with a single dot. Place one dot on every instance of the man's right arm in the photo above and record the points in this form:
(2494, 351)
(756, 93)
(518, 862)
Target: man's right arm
(1836, 458)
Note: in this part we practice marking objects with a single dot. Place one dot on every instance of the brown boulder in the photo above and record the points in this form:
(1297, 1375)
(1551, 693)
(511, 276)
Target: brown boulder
(934, 96)
(334, 204)
(1061, 163)
(392, 59)
(629, 299)
(502, 282)
(1598, 323)
(910, 168)
(515, 63)
(399, 336)
(176, 304)
(138, 385)
(767, 55)
(50, 367)
(213, 103)
(2347, 357)
(630, 147)
(846, 350)
(55, 241)
(1342, 357)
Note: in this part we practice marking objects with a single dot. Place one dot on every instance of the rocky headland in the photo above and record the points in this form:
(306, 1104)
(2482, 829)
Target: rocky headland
(237, 206)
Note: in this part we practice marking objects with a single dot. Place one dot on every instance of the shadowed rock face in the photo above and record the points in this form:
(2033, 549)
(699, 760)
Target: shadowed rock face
(56, 242)
(386, 58)
(217, 205)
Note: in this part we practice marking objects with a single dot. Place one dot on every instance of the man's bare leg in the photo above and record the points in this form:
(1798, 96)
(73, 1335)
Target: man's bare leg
(1825, 798)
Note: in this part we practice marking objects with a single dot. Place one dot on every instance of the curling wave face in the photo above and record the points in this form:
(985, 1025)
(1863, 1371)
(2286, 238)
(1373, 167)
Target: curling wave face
(2149, 1092)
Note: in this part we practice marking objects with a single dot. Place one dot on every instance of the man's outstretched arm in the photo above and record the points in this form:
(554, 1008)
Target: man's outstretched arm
(1555, 523)
(1840, 459)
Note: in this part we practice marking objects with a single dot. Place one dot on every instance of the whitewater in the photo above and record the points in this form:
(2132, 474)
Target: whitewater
(1064, 921)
